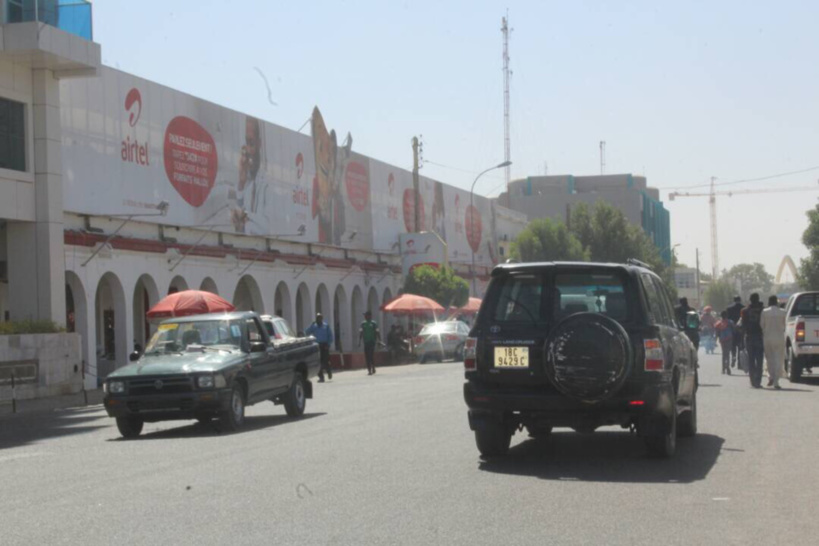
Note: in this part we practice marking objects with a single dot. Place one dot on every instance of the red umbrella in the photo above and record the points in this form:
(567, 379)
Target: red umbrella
(472, 306)
(189, 302)
(410, 304)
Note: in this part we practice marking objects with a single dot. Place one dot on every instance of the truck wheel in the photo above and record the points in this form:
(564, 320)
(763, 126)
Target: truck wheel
(296, 398)
(129, 427)
(688, 421)
(794, 367)
(664, 446)
(232, 418)
(493, 440)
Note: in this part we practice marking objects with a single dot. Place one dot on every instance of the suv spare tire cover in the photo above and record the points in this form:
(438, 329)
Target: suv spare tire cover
(588, 356)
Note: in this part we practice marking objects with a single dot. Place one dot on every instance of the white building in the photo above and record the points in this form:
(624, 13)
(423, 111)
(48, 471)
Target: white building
(115, 191)
(685, 279)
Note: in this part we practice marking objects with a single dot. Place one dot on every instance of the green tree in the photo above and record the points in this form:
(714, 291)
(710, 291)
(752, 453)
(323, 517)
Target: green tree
(547, 240)
(750, 278)
(809, 267)
(719, 294)
(440, 284)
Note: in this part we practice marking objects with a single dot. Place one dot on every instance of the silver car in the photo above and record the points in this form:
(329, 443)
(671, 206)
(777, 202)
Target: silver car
(440, 340)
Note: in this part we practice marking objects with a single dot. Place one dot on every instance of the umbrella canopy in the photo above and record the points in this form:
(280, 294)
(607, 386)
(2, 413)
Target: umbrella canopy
(189, 302)
(472, 306)
(410, 304)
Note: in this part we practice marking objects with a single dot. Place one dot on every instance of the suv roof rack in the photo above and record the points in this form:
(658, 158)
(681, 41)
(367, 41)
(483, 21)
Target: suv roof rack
(634, 261)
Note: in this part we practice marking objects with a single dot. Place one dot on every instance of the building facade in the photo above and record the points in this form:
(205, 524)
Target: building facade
(555, 196)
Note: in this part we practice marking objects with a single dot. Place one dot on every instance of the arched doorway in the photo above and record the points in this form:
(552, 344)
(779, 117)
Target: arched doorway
(387, 319)
(283, 305)
(78, 316)
(372, 307)
(209, 285)
(303, 311)
(146, 295)
(323, 301)
(109, 306)
(248, 296)
(178, 284)
(356, 311)
(341, 320)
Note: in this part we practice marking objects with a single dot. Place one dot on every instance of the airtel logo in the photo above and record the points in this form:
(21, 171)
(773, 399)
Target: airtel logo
(133, 97)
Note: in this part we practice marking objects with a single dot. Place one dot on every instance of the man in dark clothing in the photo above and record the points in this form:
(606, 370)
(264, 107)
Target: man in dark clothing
(734, 315)
(370, 335)
(681, 311)
(324, 335)
(750, 322)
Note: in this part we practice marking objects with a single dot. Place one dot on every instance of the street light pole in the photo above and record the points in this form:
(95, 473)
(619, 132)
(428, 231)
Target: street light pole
(471, 217)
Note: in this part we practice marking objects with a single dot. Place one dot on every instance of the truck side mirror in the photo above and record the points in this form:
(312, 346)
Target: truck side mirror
(258, 346)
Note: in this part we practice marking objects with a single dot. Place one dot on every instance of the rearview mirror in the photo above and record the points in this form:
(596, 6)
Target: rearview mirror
(258, 347)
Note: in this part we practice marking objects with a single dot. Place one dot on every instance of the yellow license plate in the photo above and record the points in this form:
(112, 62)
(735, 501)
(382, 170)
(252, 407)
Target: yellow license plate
(511, 357)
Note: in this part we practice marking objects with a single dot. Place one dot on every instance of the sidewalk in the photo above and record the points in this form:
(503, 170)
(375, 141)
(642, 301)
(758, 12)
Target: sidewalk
(42, 405)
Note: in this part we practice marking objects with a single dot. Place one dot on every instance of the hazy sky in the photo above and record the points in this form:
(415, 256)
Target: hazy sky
(679, 91)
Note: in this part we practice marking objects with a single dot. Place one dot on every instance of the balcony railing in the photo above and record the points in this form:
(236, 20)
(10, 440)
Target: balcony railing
(72, 16)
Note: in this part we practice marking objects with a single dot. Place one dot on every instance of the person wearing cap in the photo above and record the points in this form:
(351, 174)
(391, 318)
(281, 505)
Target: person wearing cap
(734, 312)
(370, 335)
(324, 335)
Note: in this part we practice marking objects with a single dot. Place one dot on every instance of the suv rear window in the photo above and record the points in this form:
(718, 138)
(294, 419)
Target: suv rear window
(520, 299)
(592, 292)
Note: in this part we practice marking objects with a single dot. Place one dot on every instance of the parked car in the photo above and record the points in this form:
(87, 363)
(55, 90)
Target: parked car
(441, 340)
(580, 346)
(801, 333)
(211, 366)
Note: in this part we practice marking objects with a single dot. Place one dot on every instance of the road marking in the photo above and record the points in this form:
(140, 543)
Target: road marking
(21, 456)
(721, 498)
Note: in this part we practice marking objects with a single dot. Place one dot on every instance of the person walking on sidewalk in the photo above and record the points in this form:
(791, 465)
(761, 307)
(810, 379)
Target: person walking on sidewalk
(324, 335)
(725, 334)
(734, 312)
(370, 335)
(773, 335)
(751, 323)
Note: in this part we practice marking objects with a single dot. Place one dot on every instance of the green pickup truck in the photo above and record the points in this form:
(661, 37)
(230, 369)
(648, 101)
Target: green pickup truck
(211, 366)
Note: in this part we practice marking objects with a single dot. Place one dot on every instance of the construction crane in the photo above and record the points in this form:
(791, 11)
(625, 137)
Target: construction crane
(712, 199)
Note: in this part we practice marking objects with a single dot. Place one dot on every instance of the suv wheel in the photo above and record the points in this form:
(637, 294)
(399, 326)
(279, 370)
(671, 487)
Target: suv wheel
(664, 446)
(232, 418)
(296, 398)
(687, 426)
(129, 427)
(794, 367)
(493, 439)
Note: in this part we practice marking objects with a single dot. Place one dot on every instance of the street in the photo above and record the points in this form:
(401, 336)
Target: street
(389, 459)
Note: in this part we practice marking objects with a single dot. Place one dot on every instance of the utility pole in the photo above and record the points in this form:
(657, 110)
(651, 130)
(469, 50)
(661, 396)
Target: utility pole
(602, 157)
(507, 74)
(714, 246)
(699, 295)
(415, 186)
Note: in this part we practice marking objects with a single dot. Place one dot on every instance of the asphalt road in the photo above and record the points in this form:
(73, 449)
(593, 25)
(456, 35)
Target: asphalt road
(389, 459)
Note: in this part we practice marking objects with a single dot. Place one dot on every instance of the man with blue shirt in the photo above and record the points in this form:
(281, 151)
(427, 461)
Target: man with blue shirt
(324, 335)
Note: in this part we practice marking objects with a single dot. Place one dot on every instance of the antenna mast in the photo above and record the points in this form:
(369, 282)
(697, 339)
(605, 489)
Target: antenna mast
(507, 153)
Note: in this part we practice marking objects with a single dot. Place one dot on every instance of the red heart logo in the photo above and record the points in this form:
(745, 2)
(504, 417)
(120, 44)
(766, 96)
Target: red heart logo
(191, 160)
(474, 228)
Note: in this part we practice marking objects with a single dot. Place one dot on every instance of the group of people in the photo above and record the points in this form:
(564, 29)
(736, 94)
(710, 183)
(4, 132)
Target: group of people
(368, 334)
(759, 332)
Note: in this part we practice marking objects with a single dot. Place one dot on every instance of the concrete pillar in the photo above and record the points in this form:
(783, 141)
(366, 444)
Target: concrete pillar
(35, 250)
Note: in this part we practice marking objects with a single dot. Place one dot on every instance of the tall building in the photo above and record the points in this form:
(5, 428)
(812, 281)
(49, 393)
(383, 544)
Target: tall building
(555, 196)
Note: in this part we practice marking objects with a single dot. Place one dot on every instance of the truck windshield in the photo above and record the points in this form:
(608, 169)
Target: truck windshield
(177, 337)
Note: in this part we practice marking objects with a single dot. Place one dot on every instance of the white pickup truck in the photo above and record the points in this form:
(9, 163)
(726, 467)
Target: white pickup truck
(802, 334)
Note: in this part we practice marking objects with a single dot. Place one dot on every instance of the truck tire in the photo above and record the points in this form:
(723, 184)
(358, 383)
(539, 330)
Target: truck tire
(588, 356)
(664, 446)
(687, 427)
(493, 439)
(129, 427)
(296, 398)
(794, 367)
(232, 418)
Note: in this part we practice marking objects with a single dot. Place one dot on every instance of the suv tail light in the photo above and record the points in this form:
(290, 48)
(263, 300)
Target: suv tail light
(470, 349)
(654, 355)
(800, 331)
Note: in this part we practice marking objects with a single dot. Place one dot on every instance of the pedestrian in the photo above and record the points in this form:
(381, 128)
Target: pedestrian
(773, 336)
(707, 323)
(734, 316)
(725, 333)
(370, 335)
(324, 335)
(751, 323)
(685, 315)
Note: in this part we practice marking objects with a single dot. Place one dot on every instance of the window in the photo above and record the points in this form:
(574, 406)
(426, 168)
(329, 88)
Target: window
(283, 329)
(253, 331)
(591, 292)
(12, 135)
(518, 298)
(806, 305)
(666, 308)
(655, 306)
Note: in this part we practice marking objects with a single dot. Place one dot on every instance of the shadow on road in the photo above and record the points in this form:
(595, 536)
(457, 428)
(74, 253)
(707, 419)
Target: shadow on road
(19, 430)
(202, 430)
(607, 457)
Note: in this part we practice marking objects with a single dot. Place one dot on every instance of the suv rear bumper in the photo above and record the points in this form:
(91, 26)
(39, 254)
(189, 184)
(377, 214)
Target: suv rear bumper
(649, 407)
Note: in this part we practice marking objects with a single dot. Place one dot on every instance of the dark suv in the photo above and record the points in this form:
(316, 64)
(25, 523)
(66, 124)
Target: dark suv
(579, 345)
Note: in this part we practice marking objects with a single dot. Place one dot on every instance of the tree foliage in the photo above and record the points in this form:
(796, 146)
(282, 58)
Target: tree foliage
(440, 284)
(809, 267)
(719, 294)
(750, 278)
(547, 240)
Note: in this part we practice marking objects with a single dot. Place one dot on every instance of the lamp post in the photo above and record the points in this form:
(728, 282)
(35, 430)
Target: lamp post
(471, 218)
